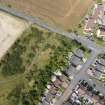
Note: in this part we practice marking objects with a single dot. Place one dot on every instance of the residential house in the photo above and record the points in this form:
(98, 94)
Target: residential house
(100, 68)
(69, 71)
(101, 30)
(57, 83)
(79, 53)
(101, 22)
(101, 61)
(97, 11)
(94, 73)
(101, 33)
(44, 102)
(65, 81)
(67, 103)
(49, 97)
(75, 61)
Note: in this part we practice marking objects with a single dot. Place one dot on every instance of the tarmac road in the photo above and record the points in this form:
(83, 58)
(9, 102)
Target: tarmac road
(91, 45)
(77, 77)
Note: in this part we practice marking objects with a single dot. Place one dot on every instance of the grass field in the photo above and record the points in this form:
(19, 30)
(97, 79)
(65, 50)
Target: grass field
(66, 13)
(37, 51)
(30, 63)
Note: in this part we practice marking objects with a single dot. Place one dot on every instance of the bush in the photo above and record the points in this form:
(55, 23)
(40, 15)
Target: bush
(13, 62)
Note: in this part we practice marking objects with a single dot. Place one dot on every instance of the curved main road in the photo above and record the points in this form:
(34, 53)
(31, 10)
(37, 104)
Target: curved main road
(91, 45)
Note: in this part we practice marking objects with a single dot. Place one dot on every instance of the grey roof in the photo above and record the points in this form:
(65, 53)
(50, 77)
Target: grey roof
(70, 70)
(75, 103)
(49, 98)
(101, 20)
(79, 53)
(44, 103)
(75, 60)
(101, 61)
(67, 103)
(97, 74)
(100, 68)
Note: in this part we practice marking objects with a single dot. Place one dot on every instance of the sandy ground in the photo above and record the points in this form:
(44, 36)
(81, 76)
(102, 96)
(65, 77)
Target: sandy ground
(10, 29)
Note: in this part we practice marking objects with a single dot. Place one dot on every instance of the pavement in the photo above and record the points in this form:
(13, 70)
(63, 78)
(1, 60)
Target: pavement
(77, 76)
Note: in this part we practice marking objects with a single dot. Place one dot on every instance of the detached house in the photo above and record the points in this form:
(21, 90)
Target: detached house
(98, 10)
(101, 24)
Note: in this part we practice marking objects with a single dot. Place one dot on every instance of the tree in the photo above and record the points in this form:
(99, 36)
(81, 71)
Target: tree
(89, 88)
(14, 95)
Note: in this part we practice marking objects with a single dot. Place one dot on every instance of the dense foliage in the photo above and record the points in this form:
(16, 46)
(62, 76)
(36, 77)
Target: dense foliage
(27, 57)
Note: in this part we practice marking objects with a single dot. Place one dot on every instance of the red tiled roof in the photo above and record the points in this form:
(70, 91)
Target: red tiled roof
(82, 92)
(57, 83)
(93, 18)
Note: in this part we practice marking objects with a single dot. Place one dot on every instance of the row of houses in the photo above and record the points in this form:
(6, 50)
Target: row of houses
(76, 61)
(55, 89)
(96, 18)
(101, 28)
(61, 79)
(85, 94)
(91, 20)
(97, 70)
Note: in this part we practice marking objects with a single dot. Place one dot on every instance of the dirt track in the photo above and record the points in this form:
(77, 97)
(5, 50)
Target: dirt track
(10, 29)
(62, 12)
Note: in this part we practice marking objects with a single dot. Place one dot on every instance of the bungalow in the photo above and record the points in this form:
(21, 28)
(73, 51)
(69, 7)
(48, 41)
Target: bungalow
(98, 10)
(65, 81)
(75, 61)
(69, 71)
(49, 97)
(101, 33)
(94, 73)
(100, 68)
(44, 103)
(53, 91)
(101, 22)
(67, 103)
(101, 61)
(79, 53)
(57, 83)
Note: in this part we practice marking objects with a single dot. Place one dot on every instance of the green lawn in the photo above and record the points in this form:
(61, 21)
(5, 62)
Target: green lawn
(99, 41)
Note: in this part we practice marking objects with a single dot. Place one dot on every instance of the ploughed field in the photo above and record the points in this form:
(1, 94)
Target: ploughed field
(66, 13)
(10, 29)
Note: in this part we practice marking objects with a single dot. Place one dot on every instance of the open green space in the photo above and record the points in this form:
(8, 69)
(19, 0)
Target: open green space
(29, 64)
(99, 41)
